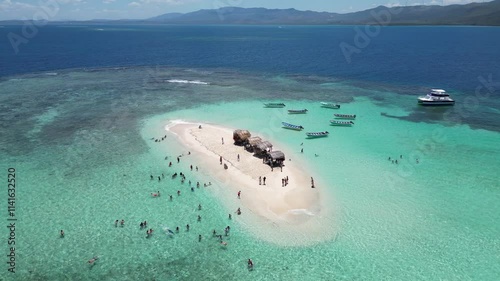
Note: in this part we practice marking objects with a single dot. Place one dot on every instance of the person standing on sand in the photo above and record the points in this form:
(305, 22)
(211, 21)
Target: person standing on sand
(264, 180)
(220, 160)
(222, 140)
(238, 157)
(260, 180)
(312, 182)
(239, 193)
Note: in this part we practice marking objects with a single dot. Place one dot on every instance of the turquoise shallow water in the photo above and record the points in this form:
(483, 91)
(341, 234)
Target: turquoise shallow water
(84, 156)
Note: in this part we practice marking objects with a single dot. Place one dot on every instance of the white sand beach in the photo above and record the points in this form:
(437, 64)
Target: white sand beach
(292, 215)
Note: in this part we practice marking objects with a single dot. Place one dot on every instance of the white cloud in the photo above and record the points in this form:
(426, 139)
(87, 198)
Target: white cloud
(108, 1)
(8, 5)
(134, 4)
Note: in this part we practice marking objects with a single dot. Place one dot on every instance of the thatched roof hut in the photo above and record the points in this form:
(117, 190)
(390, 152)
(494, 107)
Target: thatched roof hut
(262, 147)
(241, 136)
(253, 140)
(276, 156)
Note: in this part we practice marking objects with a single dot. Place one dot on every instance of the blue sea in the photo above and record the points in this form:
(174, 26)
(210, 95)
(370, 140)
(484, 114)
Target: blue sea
(79, 105)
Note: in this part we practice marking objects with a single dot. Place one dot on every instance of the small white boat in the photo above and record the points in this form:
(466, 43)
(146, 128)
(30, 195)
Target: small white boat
(330, 105)
(317, 134)
(274, 105)
(291, 126)
(345, 116)
(341, 123)
(436, 97)
(297, 111)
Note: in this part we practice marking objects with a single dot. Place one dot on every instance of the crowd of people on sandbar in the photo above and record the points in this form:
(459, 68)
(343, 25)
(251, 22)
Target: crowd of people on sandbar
(149, 231)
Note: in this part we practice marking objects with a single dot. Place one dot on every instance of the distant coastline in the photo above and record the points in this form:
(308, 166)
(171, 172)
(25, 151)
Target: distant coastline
(473, 14)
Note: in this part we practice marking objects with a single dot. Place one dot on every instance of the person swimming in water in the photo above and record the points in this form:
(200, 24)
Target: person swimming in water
(93, 260)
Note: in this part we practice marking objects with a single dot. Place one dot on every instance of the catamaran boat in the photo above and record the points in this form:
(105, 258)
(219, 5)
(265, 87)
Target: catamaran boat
(436, 97)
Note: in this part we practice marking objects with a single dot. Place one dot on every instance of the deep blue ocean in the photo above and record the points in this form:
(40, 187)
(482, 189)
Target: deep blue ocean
(431, 56)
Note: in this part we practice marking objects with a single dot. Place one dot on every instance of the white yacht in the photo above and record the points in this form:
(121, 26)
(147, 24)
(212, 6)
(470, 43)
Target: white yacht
(436, 97)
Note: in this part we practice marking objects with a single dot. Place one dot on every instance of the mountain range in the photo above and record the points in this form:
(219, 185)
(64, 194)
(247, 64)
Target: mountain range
(470, 14)
(485, 14)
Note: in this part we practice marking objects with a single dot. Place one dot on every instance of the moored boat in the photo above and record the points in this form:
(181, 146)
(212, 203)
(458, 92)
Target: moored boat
(345, 116)
(317, 134)
(330, 105)
(291, 126)
(436, 97)
(341, 123)
(274, 105)
(297, 111)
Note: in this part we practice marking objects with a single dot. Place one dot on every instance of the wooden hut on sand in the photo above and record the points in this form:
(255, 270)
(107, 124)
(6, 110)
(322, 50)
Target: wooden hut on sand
(240, 137)
(262, 147)
(251, 141)
(275, 158)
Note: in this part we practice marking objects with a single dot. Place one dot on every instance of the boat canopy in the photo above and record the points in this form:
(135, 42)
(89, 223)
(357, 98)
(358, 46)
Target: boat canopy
(438, 90)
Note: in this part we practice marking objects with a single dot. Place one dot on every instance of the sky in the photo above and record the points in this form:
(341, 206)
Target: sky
(141, 9)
